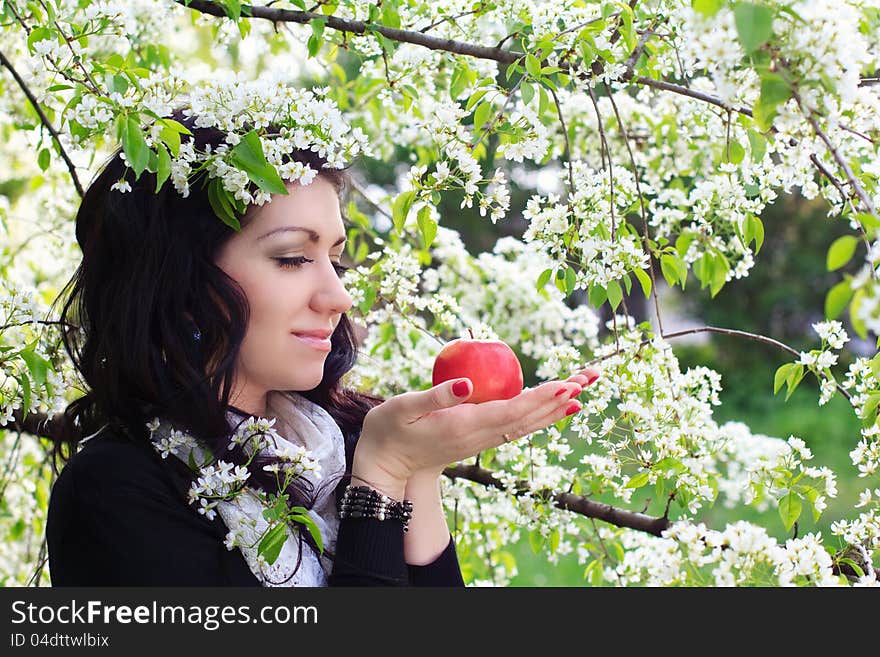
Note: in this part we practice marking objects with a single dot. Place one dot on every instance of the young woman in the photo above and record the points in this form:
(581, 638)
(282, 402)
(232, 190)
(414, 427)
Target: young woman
(215, 444)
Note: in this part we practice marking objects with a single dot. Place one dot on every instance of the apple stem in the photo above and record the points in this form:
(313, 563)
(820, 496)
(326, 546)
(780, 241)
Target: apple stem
(471, 332)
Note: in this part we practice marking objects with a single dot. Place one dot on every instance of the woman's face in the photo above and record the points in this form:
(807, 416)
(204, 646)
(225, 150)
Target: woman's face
(285, 260)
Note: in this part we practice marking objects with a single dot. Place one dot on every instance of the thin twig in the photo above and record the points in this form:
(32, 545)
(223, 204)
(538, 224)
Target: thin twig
(722, 331)
(44, 120)
(642, 208)
(841, 161)
(567, 155)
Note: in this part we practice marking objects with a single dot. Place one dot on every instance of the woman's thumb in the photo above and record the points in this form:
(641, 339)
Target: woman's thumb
(460, 390)
(443, 395)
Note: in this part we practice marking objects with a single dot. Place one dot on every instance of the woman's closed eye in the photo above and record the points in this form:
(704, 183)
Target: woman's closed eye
(296, 262)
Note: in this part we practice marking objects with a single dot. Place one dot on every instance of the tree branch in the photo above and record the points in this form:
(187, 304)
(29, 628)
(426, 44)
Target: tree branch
(45, 121)
(841, 162)
(643, 210)
(566, 501)
(724, 331)
(359, 27)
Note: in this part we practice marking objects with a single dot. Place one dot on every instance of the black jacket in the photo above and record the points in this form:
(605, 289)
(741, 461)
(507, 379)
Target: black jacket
(119, 516)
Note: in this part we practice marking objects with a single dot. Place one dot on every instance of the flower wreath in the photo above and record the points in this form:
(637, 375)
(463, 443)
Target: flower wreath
(264, 121)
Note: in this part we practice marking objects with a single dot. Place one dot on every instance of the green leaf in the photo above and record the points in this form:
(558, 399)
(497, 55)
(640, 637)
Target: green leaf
(43, 159)
(719, 274)
(857, 322)
(781, 375)
(481, 115)
(312, 526)
(857, 569)
(137, 153)
(315, 40)
(459, 81)
(615, 294)
(232, 8)
(527, 92)
(368, 300)
(170, 134)
(543, 279)
(475, 98)
(570, 280)
(774, 92)
(869, 408)
(597, 295)
(533, 66)
(218, 197)
(644, 280)
(790, 508)
(735, 152)
(674, 270)
(427, 225)
(754, 24)
(536, 540)
(794, 379)
(248, 156)
(707, 7)
(758, 144)
(840, 252)
(837, 298)
(683, 242)
(163, 166)
(273, 541)
(400, 209)
(37, 365)
(756, 229)
(868, 220)
(638, 481)
(25, 384)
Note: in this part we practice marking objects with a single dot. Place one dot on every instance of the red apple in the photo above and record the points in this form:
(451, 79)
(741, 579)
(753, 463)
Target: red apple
(491, 365)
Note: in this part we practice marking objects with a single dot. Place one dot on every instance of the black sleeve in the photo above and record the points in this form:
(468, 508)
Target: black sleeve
(443, 571)
(116, 519)
(369, 552)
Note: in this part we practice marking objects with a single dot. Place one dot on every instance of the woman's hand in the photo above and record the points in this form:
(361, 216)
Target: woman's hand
(424, 431)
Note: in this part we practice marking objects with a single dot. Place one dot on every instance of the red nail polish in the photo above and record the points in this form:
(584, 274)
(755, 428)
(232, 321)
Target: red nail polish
(561, 390)
(592, 377)
(574, 407)
(460, 388)
(575, 393)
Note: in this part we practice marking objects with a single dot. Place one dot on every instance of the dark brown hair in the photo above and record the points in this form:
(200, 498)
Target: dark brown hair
(146, 281)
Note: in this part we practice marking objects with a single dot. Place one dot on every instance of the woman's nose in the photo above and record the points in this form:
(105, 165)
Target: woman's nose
(332, 294)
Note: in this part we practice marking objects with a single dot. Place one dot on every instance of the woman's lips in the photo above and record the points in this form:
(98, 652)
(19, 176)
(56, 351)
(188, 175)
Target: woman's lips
(321, 344)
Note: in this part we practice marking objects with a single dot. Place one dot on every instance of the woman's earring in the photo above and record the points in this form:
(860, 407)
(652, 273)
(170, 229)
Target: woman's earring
(197, 335)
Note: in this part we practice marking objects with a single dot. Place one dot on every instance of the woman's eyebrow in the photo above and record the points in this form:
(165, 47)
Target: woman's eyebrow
(313, 236)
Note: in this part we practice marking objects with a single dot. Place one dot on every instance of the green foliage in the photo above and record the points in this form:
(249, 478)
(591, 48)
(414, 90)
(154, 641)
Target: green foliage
(754, 24)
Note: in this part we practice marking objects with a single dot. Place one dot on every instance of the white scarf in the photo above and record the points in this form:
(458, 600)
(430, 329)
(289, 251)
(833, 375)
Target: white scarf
(300, 422)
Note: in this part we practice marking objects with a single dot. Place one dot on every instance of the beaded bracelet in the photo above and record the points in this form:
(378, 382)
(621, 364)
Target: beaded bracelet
(366, 502)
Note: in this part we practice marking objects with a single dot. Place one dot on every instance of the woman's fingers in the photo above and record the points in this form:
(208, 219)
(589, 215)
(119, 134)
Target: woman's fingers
(542, 422)
(586, 376)
(543, 416)
(514, 416)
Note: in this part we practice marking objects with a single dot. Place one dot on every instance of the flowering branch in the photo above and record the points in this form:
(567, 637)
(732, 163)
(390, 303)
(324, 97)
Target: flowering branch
(45, 121)
(841, 162)
(642, 209)
(566, 501)
(359, 27)
(723, 331)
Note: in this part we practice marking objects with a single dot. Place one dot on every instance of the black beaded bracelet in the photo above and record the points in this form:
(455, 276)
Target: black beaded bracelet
(366, 502)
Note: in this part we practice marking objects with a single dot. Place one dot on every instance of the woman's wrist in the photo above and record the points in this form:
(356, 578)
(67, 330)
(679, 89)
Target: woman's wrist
(368, 469)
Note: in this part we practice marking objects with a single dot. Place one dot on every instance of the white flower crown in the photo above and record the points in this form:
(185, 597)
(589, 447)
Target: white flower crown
(264, 121)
